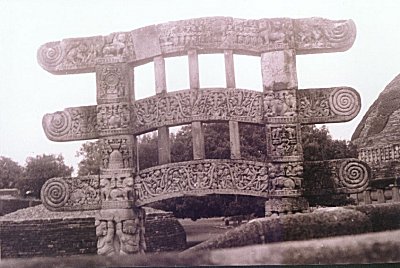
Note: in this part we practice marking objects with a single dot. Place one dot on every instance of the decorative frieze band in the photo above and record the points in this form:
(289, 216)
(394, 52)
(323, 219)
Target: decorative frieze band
(213, 176)
(379, 154)
(252, 37)
(314, 106)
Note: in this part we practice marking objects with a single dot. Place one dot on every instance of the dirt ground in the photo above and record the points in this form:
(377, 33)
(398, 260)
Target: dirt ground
(203, 229)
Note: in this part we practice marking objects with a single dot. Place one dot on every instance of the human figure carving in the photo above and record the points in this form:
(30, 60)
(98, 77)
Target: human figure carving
(128, 232)
(105, 237)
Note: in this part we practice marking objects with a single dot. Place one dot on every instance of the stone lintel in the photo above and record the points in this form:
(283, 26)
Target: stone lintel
(327, 105)
(340, 176)
(123, 189)
(207, 35)
(315, 106)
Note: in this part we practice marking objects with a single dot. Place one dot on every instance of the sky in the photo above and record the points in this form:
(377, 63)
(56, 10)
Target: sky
(27, 92)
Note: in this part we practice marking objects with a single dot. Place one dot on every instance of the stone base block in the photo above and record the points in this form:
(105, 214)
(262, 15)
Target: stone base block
(285, 205)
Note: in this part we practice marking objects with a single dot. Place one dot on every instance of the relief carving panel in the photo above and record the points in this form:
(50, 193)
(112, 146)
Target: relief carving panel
(284, 142)
(218, 176)
(113, 119)
(280, 106)
(112, 84)
(197, 105)
(226, 33)
(116, 153)
(120, 232)
(78, 123)
(117, 190)
(78, 55)
(328, 105)
(318, 35)
(211, 34)
(315, 106)
(64, 194)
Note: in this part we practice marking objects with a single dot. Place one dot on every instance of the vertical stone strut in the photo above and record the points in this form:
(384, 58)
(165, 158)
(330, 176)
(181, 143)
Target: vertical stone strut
(119, 225)
(121, 189)
(164, 149)
(233, 125)
(197, 126)
(283, 128)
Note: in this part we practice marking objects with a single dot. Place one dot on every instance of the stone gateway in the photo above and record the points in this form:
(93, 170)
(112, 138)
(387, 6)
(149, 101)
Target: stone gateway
(121, 189)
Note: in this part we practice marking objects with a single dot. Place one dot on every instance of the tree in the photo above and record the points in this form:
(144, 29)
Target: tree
(41, 168)
(318, 145)
(90, 164)
(10, 172)
(148, 150)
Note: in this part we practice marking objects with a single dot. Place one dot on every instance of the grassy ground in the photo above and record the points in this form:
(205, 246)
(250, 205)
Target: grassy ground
(203, 229)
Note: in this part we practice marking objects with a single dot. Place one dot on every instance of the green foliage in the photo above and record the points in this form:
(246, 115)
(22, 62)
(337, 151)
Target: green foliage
(318, 145)
(41, 168)
(90, 164)
(10, 172)
(148, 150)
(196, 207)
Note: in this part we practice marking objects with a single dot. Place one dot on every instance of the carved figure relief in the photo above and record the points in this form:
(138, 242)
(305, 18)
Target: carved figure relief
(71, 124)
(71, 193)
(116, 187)
(226, 32)
(121, 232)
(320, 33)
(284, 141)
(105, 232)
(280, 103)
(117, 153)
(323, 105)
(113, 118)
(111, 83)
(204, 104)
(84, 53)
(131, 235)
(311, 35)
(218, 175)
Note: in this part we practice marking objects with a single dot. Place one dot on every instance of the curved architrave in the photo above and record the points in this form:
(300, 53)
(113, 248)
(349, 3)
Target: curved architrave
(145, 202)
(186, 106)
(319, 105)
(222, 176)
(206, 35)
(327, 105)
(339, 176)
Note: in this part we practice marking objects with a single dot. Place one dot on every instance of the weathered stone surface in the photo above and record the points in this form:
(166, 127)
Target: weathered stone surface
(374, 248)
(342, 176)
(326, 222)
(253, 37)
(34, 232)
(121, 188)
(382, 216)
(326, 105)
(377, 135)
(214, 176)
(352, 249)
(334, 222)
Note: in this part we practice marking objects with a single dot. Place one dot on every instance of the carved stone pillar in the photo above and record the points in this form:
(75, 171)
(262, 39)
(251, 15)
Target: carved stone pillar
(284, 148)
(119, 225)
